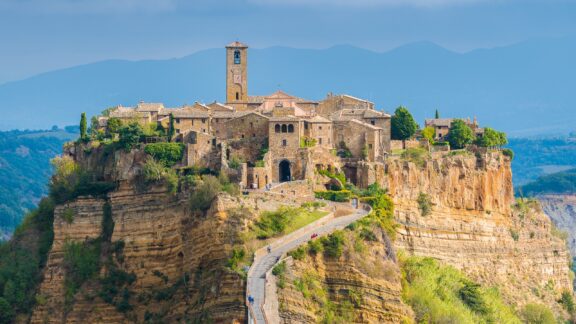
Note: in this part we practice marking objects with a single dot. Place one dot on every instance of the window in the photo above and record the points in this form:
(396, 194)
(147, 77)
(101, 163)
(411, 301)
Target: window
(237, 96)
(290, 128)
(236, 57)
(177, 120)
(203, 120)
(177, 131)
(320, 140)
(253, 135)
(305, 125)
(242, 135)
(204, 130)
(277, 128)
(320, 127)
(370, 146)
(251, 124)
(284, 143)
(373, 122)
(284, 129)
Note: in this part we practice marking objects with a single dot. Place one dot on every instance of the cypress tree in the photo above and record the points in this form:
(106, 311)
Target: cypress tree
(171, 128)
(83, 126)
(437, 115)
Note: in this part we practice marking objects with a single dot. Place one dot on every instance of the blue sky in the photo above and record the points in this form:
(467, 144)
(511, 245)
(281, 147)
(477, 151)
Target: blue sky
(43, 35)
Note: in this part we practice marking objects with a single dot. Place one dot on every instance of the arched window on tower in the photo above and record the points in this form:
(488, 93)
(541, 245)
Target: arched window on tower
(290, 128)
(236, 57)
(237, 96)
(284, 129)
(277, 128)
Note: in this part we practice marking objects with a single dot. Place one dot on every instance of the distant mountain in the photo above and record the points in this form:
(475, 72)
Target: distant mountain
(24, 172)
(526, 88)
(560, 183)
(536, 157)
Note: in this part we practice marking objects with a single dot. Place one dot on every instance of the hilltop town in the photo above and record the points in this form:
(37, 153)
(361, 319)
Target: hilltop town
(278, 209)
(278, 137)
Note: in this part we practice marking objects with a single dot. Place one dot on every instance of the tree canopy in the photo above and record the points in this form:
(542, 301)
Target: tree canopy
(429, 133)
(492, 138)
(403, 124)
(460, 134)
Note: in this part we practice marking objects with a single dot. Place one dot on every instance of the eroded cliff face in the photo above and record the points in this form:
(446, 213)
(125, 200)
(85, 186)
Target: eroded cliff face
(361, 286)
(178, 259)
(473, 225)
(176, 256)
(562, 211)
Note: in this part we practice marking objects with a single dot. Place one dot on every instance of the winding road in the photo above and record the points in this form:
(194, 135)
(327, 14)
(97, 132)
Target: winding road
(263, 261)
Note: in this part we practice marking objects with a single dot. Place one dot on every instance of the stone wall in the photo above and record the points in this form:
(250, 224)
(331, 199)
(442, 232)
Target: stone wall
(248, 126)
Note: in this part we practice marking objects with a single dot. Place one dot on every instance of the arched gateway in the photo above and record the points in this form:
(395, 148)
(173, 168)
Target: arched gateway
(284, 171)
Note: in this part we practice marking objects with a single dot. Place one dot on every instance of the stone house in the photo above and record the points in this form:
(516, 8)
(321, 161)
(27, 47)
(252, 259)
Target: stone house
(442, 127)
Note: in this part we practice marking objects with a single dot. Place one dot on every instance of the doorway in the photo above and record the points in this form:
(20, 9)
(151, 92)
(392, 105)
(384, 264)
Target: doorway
(284, 169)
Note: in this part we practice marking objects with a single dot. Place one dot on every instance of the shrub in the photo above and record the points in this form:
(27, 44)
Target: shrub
(81, 262)
(537, 314)
(205, 192)
(235, 162)
(307, 142)
(339, 176)
(424, 204)
(515, 235)
(279, 269)
(509, 153)
(68, 215)
(167, 153)
(334, 244)
(567, 302)
(298, 254)
(315, 246)
(153, 170)
(338, 196)
(415, 155)
(471, 296)
(238, 255)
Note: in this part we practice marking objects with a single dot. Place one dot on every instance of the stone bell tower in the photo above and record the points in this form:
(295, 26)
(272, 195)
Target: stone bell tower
(236, 73)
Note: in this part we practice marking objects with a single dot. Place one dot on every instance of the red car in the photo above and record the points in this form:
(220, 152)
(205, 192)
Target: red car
(314, 236)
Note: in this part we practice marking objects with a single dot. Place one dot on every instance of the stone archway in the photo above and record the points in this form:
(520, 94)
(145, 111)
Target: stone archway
(284, 171)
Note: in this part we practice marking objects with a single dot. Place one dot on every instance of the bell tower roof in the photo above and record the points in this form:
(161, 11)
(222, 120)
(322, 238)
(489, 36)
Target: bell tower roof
(236, 44)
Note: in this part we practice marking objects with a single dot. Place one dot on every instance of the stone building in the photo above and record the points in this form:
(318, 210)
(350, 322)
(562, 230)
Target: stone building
(277, 137)
(442, 127)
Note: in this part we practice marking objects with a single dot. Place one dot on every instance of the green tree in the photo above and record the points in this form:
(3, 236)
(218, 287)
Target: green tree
(171, 127)
(492, 138)
(83, 126)
(403, 125)
(437, 114)
(460, 134)
(130, 135)
(114, 125)
(429, 133)
(6, 311)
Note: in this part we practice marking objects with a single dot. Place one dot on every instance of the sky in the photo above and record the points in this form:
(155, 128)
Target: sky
(43, 35)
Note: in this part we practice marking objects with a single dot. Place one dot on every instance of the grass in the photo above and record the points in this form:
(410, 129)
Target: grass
(303, 219)
(283, 221)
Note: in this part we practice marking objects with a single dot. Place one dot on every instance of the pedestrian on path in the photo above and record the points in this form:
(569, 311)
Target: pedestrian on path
(269, 249)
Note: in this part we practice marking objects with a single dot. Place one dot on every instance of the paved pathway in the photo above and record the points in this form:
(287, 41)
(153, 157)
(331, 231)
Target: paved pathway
(264, 261)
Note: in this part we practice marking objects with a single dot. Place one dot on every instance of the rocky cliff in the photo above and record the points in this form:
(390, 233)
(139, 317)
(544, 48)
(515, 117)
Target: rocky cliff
(361, 286)
(460, 210)
(562, 210)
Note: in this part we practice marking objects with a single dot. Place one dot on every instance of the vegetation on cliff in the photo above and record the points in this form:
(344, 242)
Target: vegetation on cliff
(22, 260)
(441, 294)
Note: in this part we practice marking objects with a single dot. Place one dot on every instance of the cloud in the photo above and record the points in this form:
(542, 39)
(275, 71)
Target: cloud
(87, 6)
(369, 3)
